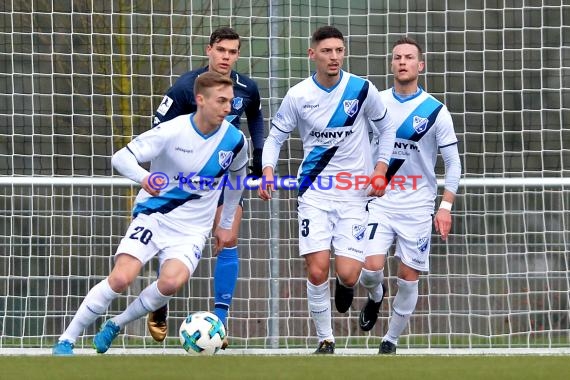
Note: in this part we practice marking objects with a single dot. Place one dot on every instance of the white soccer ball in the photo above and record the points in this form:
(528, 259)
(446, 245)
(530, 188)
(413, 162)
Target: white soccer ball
(202, 333)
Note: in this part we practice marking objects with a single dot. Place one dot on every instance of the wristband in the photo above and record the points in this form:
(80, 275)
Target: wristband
(445, 205)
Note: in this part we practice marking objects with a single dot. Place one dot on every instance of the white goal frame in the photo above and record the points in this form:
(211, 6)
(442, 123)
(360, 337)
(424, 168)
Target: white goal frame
(273, 345)
(80, 79)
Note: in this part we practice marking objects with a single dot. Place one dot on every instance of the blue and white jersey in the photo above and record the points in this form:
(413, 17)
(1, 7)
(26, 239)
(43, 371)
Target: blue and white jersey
(194, 164)
(179, 100)
(333, 124)
(424, 125)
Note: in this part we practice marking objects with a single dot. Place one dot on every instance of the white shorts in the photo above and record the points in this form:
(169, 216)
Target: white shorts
(146, 237)
(411, 231)
(340, 224)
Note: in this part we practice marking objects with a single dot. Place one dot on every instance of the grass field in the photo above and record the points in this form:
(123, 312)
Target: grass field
(286, 367)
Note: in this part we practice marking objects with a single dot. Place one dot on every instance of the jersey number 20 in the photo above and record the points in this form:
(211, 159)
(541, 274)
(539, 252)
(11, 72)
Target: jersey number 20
(141, 234)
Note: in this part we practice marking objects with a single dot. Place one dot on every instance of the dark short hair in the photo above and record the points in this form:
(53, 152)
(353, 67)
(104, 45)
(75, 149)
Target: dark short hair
(410, 41)
(325, 32)
(210, 79)
(224, 33)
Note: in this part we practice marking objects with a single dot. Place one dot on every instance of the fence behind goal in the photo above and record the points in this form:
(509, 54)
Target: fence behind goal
(80, 79)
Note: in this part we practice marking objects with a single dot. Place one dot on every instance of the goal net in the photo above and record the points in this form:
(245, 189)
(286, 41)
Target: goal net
(80, 78)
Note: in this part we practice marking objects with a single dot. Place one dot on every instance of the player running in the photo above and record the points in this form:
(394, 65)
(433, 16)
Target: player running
(171, 219)
(223, 52)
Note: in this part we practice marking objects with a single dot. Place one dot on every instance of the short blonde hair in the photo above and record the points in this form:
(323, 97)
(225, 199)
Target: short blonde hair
(210, 79)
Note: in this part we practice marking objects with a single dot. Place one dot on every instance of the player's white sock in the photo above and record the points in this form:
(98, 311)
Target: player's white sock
(94, 304)
(372, 281)
(149, 300)
(319, 297)
(402, 308)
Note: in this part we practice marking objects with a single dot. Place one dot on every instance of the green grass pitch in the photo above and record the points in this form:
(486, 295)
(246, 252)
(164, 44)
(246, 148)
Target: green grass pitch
(162, 367)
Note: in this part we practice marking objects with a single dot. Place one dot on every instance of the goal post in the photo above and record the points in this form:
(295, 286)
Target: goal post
(479, 294)
(81, 78)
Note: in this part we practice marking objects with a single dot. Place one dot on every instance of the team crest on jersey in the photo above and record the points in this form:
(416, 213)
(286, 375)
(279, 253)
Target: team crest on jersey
(164, 105)
(358, 231)
(225, 158)
(237, 103)
(350, 107)
(197, 252)
(423, 244)
(420, 124)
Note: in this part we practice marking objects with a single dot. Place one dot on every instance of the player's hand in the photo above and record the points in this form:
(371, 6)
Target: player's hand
(152, 187)
(266, 186)
(222, 236)
(442, 222)
(378, 182)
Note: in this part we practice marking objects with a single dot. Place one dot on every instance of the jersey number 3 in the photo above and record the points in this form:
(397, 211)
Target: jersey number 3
(305, 227)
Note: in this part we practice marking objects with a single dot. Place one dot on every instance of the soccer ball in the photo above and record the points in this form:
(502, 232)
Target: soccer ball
(202, 333)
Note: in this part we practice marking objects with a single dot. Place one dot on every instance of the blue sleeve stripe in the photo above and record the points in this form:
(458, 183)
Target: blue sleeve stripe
(443, 146)
(279, 129)
(383, 116)
(129, 149)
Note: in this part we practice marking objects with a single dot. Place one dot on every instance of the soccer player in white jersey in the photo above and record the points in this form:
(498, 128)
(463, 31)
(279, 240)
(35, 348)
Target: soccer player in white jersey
(405, 212)
(223, 52)
(174, 211)
(331, 108)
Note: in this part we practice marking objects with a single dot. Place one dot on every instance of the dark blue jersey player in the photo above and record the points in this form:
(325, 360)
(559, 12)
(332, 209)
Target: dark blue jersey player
(179, 100)
(223, 52)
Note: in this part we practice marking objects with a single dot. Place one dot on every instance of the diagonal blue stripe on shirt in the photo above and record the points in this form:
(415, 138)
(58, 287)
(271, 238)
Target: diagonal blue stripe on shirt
(164, 203)
(313, 165)
(311, 160)
(393, 166)
(232, 141)
(428, 109)
(355, 92)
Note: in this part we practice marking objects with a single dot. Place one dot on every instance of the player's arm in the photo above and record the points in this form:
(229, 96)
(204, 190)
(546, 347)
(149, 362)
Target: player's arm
(282, 125)
(256, 131)
(144, 148)
(385, 130)
(232, 195)
(447, 144)
(442, 219)
(271, 150)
